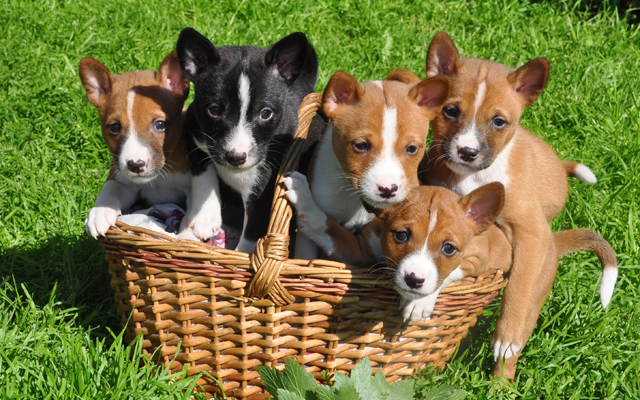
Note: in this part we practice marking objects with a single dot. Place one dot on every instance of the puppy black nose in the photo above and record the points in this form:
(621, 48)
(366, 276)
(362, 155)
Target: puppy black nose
(136, 166)
(387, 193)
(234, 158)
(413, 281)
(468, 154)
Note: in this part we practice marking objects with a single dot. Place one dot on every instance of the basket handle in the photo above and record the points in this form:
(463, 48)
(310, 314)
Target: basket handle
(273, 250)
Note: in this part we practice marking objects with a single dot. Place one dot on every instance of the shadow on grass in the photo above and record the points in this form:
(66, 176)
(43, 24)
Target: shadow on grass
(73, 270)
(628, 10)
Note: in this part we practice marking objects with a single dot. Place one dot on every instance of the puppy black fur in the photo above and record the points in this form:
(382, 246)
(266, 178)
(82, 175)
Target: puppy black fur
(275, 82)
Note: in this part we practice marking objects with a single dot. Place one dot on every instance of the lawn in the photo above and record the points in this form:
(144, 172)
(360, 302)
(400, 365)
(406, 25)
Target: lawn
(59, 335)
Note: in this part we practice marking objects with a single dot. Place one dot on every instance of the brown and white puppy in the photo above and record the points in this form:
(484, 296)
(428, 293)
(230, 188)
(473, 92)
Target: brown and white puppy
(141, 118)
(476, 140)
(368, 158)
(435, 237)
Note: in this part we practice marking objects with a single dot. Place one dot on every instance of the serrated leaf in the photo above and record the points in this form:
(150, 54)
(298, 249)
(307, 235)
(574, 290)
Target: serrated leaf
(341, 380)
(325, 393)
(273, 379)
(348, 392)
(284, 394)
(446, 392)
(297, 379)
(380, 382)
(362, 379)
(401, 390)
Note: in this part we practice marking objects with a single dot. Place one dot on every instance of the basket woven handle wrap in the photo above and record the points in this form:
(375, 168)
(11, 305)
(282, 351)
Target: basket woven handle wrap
(273, 250)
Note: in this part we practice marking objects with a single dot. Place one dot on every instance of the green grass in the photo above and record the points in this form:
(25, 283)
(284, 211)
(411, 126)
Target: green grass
(53, 164)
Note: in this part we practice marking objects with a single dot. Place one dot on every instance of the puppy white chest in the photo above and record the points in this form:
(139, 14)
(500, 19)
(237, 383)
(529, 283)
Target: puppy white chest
(498, 171)
(170, 188)
(333, 192)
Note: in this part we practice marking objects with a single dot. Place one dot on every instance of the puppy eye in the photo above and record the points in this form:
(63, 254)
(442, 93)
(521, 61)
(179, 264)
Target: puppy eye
(266, 114)
(412, 150)
(401, 237)
(452, 112)
(499, 122)
(214, 110)
(361, 147)
(160, 125)
(115, 128)
(448, 249)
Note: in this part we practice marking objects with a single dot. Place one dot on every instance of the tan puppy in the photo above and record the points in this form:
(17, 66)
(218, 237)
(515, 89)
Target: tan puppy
(141, 119)
(435, 237)
(476, 140)
(368, 158)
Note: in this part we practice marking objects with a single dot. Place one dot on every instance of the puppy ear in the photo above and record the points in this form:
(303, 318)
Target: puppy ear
(170, 76)
(196, 53)
(431, 93)
(530, 79)
(289, 55)
(443, 56)
(96, 79)
(483, 205)
(403, 75)
(342, 90)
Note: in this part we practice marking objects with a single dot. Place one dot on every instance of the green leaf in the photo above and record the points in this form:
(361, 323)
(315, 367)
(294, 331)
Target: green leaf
(381, 384)
(326, 393)
(341, 380)
(348, 392)
(362, 379)
(446, 392)
(401, 390)
(284, 394)
(297, 379)
(273, 379)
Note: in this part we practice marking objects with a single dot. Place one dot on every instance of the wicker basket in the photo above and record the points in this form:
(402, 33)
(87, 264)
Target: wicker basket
(228, 312)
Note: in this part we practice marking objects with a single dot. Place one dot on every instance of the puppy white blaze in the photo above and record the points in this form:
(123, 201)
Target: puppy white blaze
(386, 169)
(133, 148)
(482, 90)
(469, 137)
(241, 139)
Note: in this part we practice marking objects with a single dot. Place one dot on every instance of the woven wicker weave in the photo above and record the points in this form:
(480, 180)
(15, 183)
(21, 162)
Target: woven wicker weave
(228, 312)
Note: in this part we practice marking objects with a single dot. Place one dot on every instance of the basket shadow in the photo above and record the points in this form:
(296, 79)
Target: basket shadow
(73, 270)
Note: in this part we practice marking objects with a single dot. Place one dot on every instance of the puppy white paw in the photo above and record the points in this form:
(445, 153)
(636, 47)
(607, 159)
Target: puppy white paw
(505, 350)
(99, 221)
(417, 309)
(205, 224)
(298, 191)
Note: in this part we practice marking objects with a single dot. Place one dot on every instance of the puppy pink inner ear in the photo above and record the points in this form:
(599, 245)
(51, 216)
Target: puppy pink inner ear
(530, 79)
(443, 56)
(342, 89)
(483, 205)
(171, 77)
(96, 80)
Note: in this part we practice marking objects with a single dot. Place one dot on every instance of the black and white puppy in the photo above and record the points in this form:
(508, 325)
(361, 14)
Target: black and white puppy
(239, 126)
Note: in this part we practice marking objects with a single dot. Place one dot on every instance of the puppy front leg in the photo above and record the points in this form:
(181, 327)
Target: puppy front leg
(338, 243)
(522, 295)
(204, 216)
(113, 198)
